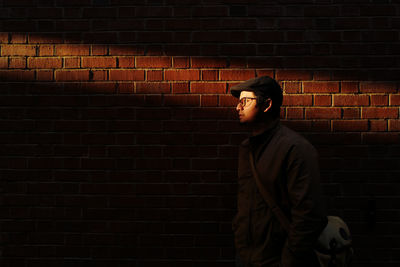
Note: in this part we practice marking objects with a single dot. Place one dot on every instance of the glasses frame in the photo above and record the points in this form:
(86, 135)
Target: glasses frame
(243, 101)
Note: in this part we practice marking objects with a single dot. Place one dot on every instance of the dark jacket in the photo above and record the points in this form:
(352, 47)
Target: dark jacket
(288, 167)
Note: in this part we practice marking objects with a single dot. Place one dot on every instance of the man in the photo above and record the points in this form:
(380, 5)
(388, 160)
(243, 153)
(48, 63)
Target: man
(287, 167)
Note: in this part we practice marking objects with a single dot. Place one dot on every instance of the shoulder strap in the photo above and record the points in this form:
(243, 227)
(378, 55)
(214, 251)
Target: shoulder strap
(267, 197)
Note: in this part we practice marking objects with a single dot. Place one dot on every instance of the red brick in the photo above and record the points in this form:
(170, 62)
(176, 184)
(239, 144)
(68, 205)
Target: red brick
(18, 50)
(125, 50)
(72, 75)
(208, 62)
(236, 62)
(182, 75)
(321, 87)
(17, 63)
(126, 62)
(99, 62)
(378, 87)
(379, 100)
(236, 75)
(72, 50)
(323, 113)
(44, 75)
(350, 126)
(394, 100)
(154, 75)
(44, 62)
(17, 75)
(351, 113)
(292, 87)
(153, 62)
(295, 113)
(378, 125)
(297, 100)
(209, 75)
(349, 87)
(182, 100)
(18, 38)
(4, 37)
(179, 88)
(3, 62)
(394, 125)
(380, 113)
(262, 72)
(72, 62)
(208, 88)
(98, 75)
(127, 75)
(227, 101)
(323, 100)
(99, 50)
(209, 101)
(46, 50)
(153, 87)
(350, 100)
(294, 75)
(181, 62)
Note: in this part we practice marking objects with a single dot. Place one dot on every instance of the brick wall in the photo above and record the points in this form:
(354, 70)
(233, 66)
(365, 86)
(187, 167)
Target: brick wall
(119, 136)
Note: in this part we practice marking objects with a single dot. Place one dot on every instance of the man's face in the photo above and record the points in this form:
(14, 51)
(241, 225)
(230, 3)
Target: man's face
(248, 110)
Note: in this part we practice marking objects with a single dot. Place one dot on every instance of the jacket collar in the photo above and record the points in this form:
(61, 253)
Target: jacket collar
(268, 129)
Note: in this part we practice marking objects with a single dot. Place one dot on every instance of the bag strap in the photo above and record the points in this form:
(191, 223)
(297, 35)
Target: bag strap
(267, 197)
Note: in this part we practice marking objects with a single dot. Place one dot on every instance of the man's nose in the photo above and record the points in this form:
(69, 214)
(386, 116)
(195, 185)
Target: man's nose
(238, 107)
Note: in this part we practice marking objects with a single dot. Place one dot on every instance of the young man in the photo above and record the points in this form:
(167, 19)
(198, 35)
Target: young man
(288, 167)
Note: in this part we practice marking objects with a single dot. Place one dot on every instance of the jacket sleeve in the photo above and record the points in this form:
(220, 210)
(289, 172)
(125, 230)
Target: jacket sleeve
(307, 215)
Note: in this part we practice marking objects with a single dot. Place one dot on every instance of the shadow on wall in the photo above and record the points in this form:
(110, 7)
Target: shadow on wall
(132, 171)
(351, 42)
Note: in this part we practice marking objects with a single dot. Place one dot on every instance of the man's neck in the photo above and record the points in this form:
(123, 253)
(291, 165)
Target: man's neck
(260, 127)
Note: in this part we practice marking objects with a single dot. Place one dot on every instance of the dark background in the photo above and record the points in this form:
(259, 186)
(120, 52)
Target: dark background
(119, 137)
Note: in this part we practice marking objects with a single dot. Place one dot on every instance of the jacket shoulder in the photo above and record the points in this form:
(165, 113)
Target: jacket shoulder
(291, 139)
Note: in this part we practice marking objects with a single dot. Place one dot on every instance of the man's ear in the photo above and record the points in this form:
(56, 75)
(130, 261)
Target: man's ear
(268, 104)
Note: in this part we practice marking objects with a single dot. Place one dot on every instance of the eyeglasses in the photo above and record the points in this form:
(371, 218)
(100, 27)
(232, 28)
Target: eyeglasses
(243, 101)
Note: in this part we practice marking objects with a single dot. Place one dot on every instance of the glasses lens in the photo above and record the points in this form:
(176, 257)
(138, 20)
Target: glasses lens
(243, 101)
